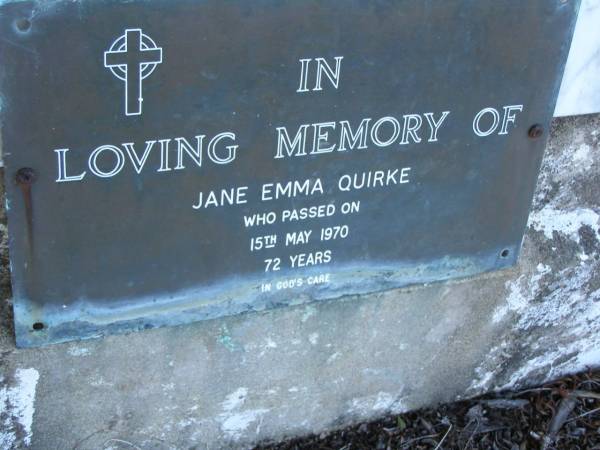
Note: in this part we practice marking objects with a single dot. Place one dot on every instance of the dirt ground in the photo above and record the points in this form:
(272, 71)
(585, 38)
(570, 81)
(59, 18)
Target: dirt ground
(560, 415)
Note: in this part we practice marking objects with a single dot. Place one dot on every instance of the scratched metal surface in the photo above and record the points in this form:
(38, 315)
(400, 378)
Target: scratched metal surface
(113, 255)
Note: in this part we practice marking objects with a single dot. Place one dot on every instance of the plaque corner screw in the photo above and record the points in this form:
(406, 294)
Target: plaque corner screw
(536, 131)
(25, 176)
(23, 25)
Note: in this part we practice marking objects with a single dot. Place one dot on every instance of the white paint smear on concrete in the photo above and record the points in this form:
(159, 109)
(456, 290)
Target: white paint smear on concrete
(235, 399)
(550, 220)
(381, 402)
(235, 422)
(520, 293)
(78, 351)
(234, 425)
(17, 406)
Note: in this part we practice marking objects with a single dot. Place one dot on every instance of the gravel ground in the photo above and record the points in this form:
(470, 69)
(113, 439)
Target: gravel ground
(560, 415)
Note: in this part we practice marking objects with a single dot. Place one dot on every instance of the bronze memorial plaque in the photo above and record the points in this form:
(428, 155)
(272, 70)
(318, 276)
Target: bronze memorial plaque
(169, 161)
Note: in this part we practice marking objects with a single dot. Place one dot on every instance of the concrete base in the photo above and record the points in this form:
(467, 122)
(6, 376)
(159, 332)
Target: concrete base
(232, 382)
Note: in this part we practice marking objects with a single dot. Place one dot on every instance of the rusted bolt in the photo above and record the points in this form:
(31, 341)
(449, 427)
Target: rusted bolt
(25, 176)
(536, 131)
(23, 25)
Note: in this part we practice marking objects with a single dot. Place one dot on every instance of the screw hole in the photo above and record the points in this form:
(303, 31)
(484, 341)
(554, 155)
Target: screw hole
(505, 253)
(23, 25)
(38, 326)
(25, 175)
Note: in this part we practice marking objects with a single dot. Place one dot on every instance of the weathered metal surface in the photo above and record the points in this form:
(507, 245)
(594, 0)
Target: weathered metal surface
(109, 231)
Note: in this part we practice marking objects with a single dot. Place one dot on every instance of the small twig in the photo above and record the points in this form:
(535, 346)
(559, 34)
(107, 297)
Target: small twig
(590, 381)
(502, 403)
(418, 439)
(472, 435)
(585, 394)
(443, 439)
(583, 415)
(527, 391)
